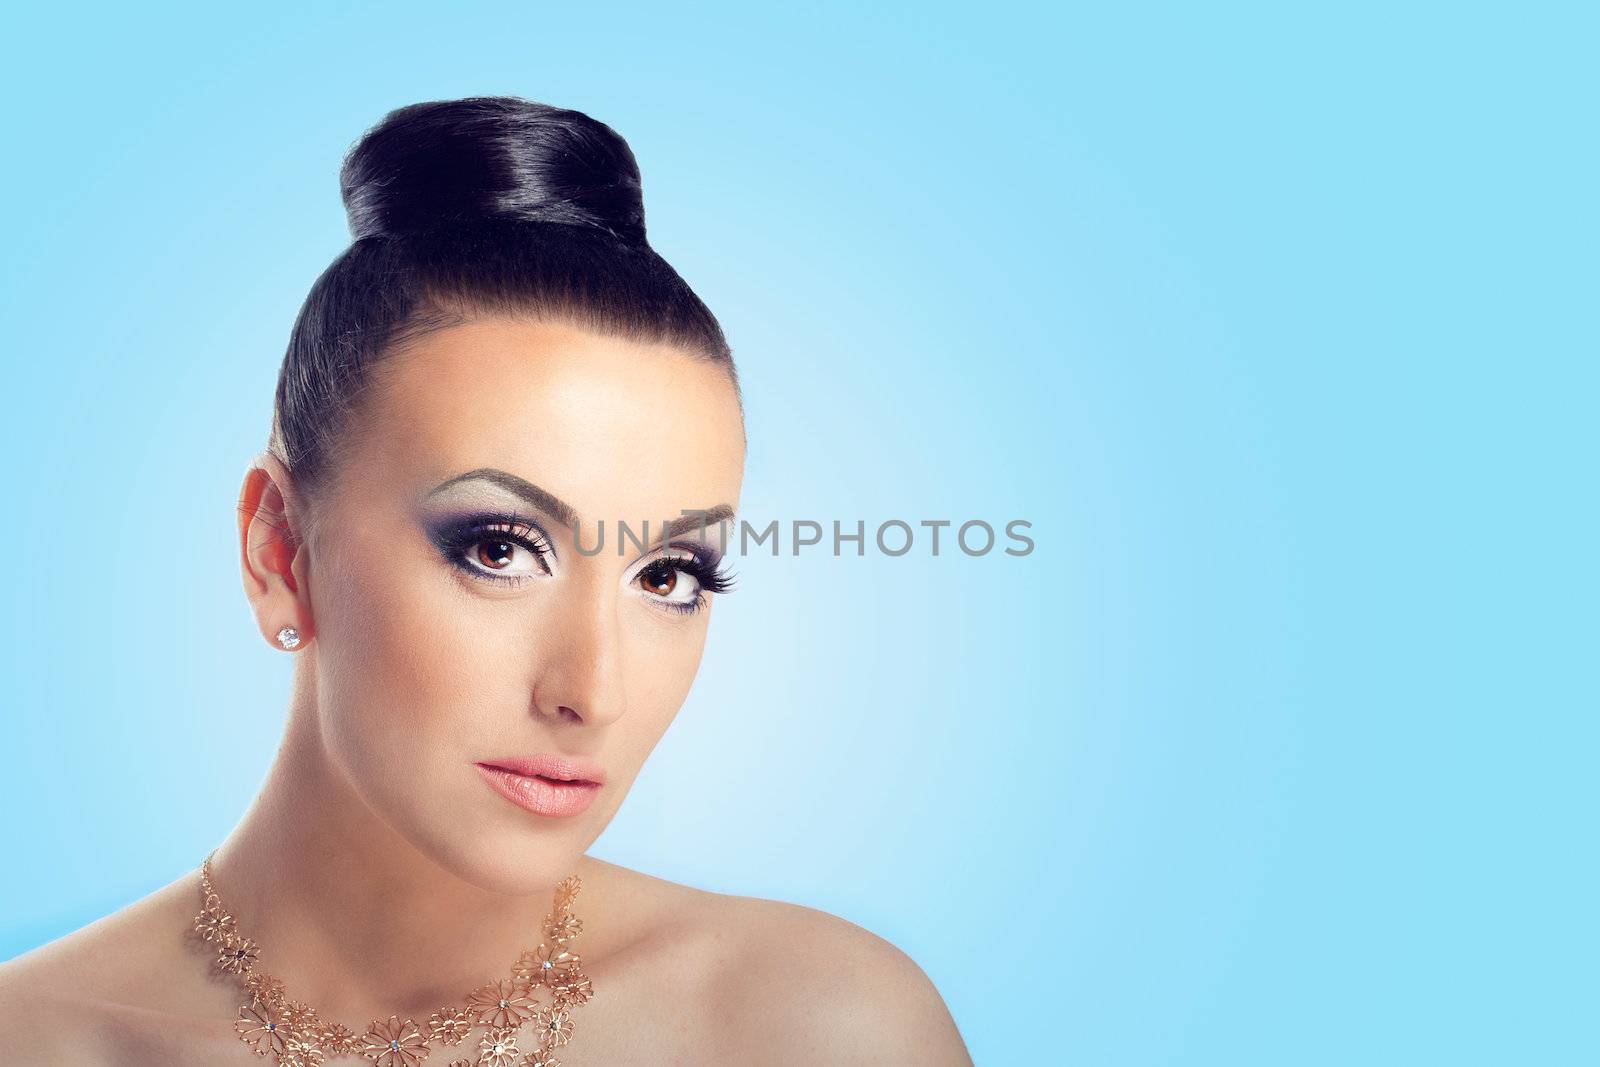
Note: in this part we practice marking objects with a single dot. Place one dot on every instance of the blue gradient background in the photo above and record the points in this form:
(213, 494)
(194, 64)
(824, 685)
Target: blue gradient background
(1278, 749)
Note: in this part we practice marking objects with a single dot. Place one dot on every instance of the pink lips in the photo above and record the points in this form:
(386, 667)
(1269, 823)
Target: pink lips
(544, 784)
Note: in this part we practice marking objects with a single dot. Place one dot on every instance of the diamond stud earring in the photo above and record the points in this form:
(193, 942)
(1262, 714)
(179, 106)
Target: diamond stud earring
(289, 637)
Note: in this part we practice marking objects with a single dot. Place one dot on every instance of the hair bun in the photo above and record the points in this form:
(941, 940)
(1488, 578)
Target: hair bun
(447, 163)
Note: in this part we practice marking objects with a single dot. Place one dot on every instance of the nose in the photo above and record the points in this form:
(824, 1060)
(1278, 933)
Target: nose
(581, 674)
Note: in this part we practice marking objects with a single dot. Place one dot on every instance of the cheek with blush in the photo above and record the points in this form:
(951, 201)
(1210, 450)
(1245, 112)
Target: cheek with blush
(402, 662)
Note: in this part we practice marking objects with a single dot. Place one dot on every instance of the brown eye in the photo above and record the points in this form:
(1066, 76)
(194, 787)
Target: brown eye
(505, 550)
(496, 555)
(660, 580)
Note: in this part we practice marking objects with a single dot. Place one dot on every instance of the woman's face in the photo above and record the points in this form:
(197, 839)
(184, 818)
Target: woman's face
(455, 620)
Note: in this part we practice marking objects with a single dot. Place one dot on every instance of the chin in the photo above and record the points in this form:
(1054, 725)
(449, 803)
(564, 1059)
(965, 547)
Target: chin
(511, 861)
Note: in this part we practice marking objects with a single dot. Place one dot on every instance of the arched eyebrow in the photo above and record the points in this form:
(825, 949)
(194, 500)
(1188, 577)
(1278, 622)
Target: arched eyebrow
(565, 513)
(696, 520)
(534, 496)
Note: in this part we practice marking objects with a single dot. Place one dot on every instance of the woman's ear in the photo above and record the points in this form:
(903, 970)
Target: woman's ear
(272, 553)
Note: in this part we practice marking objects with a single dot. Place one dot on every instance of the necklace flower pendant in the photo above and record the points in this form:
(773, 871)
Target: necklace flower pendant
(238, 955)
(562, 928)
(261, 1026)
(396, 1043)
(302, 1053)
(292, 1034)
(545, 965)
(554, 1027)
(337, 1039)
(574, 989)
(502, 1004)
(264, 988)
(450, 1026)
(498, 1048)
(215, 925)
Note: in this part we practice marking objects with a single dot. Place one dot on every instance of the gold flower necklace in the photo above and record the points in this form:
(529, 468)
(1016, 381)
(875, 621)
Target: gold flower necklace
(292, 1032)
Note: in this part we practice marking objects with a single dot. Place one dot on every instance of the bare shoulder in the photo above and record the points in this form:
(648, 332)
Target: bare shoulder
(46, 1016)
(36, 1017)
(818, 984)
(66, 1001)
(807, 984)
(774, 983)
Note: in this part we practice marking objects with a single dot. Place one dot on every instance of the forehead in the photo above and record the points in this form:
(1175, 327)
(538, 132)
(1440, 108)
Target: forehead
(618, 429)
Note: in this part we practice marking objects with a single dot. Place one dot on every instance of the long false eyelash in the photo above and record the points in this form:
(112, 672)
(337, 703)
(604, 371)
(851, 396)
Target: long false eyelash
(513, 528)
(705, 566)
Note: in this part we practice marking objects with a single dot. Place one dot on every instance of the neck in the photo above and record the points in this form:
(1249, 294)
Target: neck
(354, 919)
